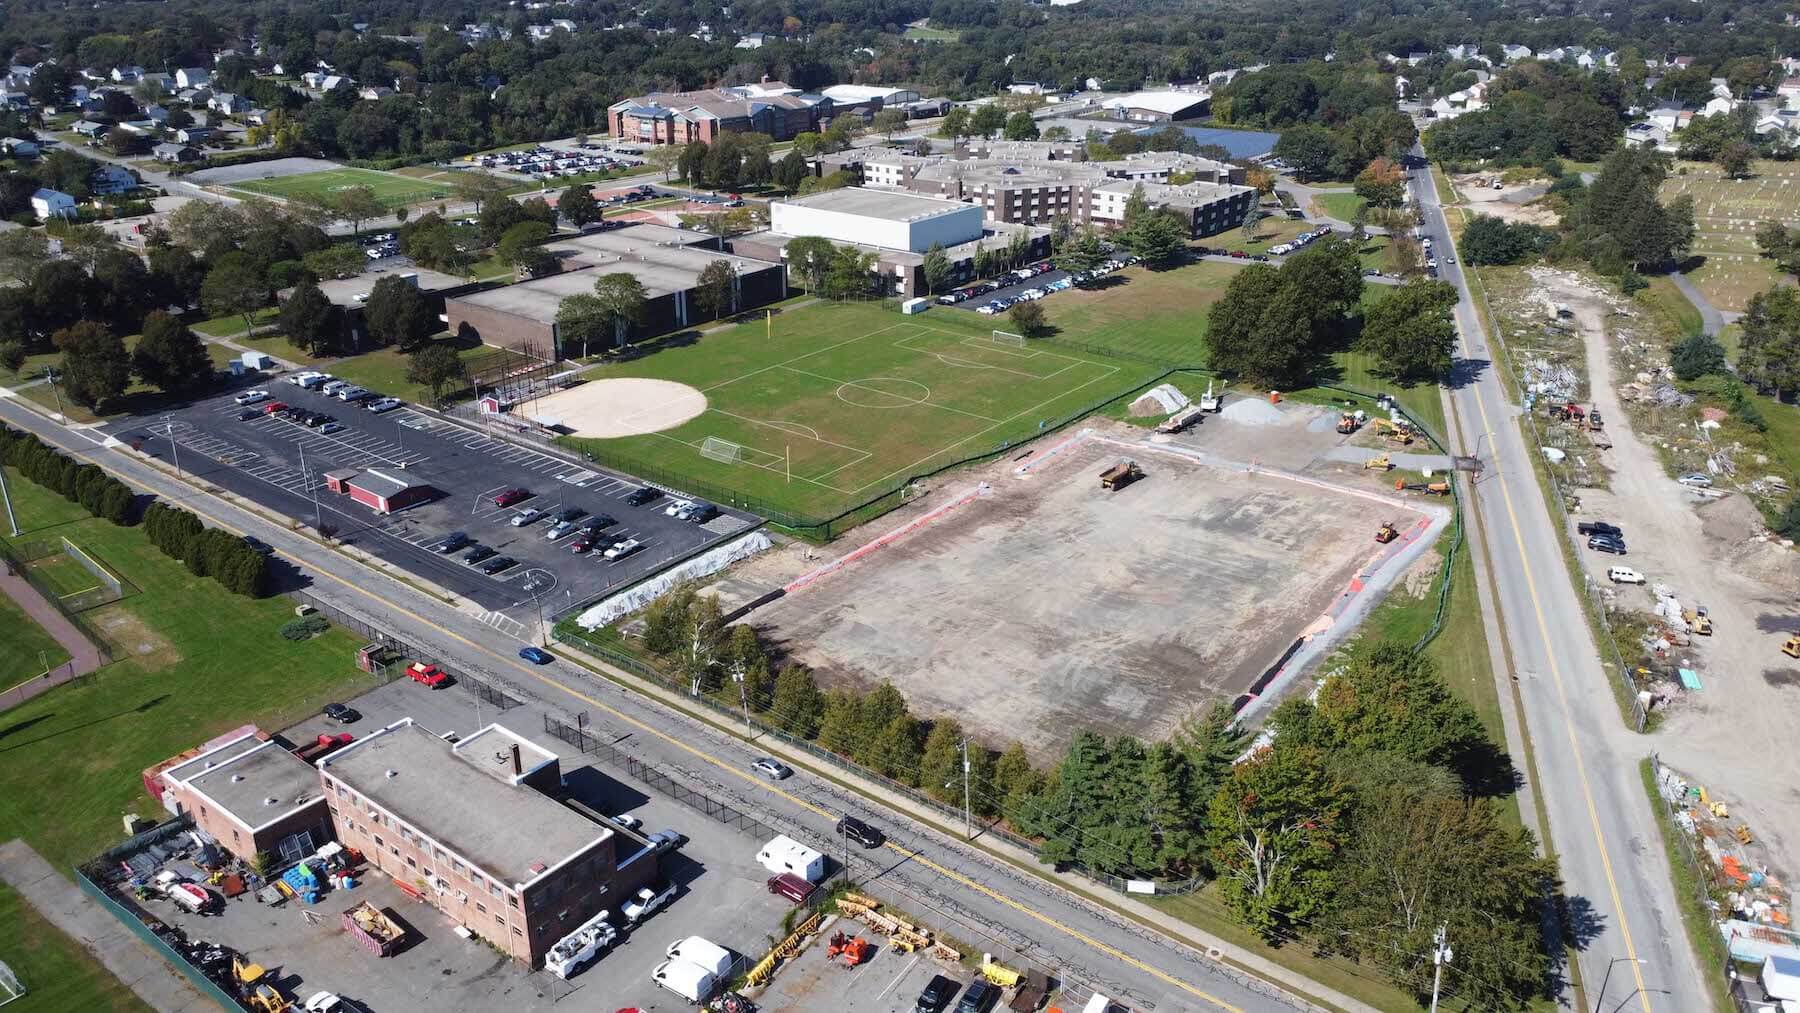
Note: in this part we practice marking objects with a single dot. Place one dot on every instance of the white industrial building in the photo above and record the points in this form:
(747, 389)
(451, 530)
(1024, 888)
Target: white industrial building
(1159, 106)
(846, 96)
(882, 218)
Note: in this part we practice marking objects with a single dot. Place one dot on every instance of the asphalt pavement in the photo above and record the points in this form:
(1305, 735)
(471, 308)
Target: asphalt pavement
(976, 895)
(1622, 910)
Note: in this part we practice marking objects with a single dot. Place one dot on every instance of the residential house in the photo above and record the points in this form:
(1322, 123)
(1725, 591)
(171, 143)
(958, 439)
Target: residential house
(1682, 62)
(563, 25)
(194, 135)
(1789, 92)
(156, 113)
(48, 204)
(91, 129)
(196, 97)
(752, 41)
(175, 154)
(1515, 53)
(375, 93)
(158, 80)
(192, 77)
(1717, 106)
(19, 147)
(1463, 51)
(109, 178)
(128, 75)
(1646, 134)
(1468, 100)
(228, 103)
(1400, 86)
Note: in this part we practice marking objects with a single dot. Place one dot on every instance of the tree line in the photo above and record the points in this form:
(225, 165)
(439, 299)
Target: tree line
(85, 485)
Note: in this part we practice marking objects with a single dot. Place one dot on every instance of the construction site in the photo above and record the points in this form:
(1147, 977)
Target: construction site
(1145, 574)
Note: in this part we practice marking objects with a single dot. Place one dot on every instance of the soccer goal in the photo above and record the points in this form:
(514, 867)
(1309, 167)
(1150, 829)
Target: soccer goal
(10, 986)
(1009, 338)
(723, 451)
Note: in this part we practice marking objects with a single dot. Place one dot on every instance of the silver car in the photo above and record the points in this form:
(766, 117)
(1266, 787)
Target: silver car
(1696, 480)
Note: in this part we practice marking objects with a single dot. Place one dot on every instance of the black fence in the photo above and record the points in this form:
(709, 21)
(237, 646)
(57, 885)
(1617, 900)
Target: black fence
(485, 686)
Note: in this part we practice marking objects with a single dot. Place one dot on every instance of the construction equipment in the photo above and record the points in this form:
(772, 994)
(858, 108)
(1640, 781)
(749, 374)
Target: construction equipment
(257, 991)
(1378, 463)
(1120, 475)
(1210, 402)
(1349, 422)
(1180, 420)
(998, 974)
(854, 950)
(1792, 647)
(1593, 420)
(1439, 488)
(1698, 619)
(1398, 433)
(1567, 412)
(1387, 533)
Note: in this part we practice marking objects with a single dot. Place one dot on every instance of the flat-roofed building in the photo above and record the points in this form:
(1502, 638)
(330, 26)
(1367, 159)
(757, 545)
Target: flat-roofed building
(687, 116)
(1159, 106)
(471, 822)
(253, 797)
(668, 263)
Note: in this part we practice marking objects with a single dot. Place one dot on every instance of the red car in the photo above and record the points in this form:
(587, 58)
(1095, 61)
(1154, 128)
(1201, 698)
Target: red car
(1239, 254)
(511, 496)
(427, 675)
(581, 544)
(274, 406)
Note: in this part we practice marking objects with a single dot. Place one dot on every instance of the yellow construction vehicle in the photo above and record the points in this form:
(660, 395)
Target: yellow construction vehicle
(1349, 422)
(1378, 463)
(1699, 620)
(258, 991)
(1386, 533)
(1398, 433)
(1792, 647)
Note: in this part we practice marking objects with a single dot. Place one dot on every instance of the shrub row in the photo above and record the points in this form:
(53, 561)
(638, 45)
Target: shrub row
(207, 552)
(83, 484)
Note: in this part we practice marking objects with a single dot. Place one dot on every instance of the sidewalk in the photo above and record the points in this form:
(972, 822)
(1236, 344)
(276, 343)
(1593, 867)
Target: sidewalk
(129, 959)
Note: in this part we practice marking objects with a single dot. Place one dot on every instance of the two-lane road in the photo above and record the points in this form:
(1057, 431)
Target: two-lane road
(1622, 908)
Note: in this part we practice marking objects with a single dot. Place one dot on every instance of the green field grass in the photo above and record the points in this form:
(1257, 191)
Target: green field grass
(62, 575)
(389, 188)
(1161, 314)
(26, 651)
(843, 402)
(195, 661)
(58, 974)
(916, 34)
(1342, 206)
(385, 370)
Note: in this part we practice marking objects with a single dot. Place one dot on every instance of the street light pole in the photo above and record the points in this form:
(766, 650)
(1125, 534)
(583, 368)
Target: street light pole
(1608, 977)
(1440, 955)
(968, 823)
(6, 495)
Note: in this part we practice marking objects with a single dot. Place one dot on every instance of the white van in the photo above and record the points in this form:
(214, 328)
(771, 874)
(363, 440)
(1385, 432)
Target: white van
(1624, 575)
(784, 854)
(701, 953)
(690, 981)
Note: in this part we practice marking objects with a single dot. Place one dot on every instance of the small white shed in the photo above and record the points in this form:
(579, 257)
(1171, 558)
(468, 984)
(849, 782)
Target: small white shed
(256, 360)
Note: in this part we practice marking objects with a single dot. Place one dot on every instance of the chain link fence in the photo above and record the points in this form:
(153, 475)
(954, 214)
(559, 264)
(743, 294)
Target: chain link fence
(18, 559)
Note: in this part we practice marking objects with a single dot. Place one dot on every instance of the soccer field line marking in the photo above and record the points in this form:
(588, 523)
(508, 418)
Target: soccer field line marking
(804, 355)
(859, 384)
(762, 422)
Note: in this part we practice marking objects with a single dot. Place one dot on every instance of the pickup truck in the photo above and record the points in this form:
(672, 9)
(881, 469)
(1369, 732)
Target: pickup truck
(1599, 528)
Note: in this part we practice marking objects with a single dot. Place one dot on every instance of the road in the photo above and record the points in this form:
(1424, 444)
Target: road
(1092, 948)
(1615, 870)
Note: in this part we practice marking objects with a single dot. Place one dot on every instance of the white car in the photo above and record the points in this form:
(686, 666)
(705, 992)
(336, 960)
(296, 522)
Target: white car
(1624, 575)
(676, 506)
(351, 393)
(623, 549)
(559, 529)
(628, 821)
(647, 900)
(252, 396)
(326, 1002)
(1696, 480)
(526, 516)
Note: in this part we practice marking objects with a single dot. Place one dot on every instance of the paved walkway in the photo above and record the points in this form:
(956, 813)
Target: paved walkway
(129, 958)
(83, 658)
(1711, 320)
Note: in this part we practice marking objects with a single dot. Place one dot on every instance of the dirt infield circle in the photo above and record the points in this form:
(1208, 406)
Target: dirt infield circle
(623, 406)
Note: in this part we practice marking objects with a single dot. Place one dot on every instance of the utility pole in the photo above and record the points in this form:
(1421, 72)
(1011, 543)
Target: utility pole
(968, 823)
(6, 495)
(318, 511)
(1441, 954)
(174, 445)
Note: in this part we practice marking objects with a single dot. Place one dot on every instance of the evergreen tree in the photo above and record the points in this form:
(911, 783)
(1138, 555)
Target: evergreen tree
(841, 725)
(798, 705)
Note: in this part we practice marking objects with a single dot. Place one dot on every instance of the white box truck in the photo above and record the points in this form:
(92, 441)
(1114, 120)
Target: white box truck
(702, 953)
(784, 854)
(690, 981)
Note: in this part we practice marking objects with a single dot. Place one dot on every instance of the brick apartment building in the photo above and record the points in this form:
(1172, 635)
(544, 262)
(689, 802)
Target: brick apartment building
(688, 116)
(474, 829)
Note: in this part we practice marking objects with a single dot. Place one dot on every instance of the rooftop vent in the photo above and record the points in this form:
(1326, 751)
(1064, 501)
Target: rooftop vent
(235, 778)
(537, 867)
(271, 800)
(392, 773)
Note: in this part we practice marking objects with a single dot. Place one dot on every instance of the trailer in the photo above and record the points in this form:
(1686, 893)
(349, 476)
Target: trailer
(370, 926)
(1181, 419)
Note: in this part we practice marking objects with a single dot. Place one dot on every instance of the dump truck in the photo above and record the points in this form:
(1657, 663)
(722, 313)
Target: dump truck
(370, 926)
(1120, 475)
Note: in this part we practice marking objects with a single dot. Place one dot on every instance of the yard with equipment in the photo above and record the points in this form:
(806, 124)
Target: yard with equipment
(828, 406)
(390, 189)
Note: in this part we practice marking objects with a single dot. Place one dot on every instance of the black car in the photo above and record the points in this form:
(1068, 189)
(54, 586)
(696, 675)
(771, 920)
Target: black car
(644, 494)
(979, 998)
(703, 512)
(497, 564)
(249, 413)
(262, 548)
(936, 994)
(598, 522)
(568, 514)
(860, 832)
(477, 554)
(1601, 543)
(1600, 528)
(341, 714)
(453, 541)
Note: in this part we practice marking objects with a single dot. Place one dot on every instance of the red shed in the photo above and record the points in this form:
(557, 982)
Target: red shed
(385, 493)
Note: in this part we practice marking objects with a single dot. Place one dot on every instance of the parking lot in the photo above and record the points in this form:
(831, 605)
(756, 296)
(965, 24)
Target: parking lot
(721, 897)
(280, 462)
(889, 983)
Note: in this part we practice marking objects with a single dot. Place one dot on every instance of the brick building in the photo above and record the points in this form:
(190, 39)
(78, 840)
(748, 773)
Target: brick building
(687, 116)
(473, 828)
(252, 796)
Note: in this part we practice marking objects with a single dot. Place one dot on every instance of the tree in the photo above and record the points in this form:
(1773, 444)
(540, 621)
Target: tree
(95, 366)
(479, 188)
(1020, 126)
(1619, 222)
(398, 314)
(1212, 741)
(798, 705)
(1271, 833)
(12, 355)
(940, 764)
(1695, 356)
(437, 367)
(339, 260)
(955, 124)
(1491, 240)
(986, 119)
(172, 357)
(1271, 322)
(1159, 237)
(809, 259)
(1028, 319)
(577, 205)
(581, 318)
(309, 319)
(1116, 807)
(700, 644)
(1382, 183)
(937, 270)
(1410, 332)
(851, 273)
(357, 204)
(1261, 180)
(621, 299)
(1253, 216)
(791, 170)
(21, 251)
(235, 286)
(1769, 350)
(1735, 159)
(663, 158)
(840, 726)
(521, 247)
(1082, 255)
(894, 752)
(888, 122)
(690, 165)
(1311, 151)
(716, 289)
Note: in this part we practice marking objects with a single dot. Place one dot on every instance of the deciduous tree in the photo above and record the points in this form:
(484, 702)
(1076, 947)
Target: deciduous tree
(95, 366)
(1272, 834)
(577, 205)
(716, 289)
(309, 319)
(437, 367)
(171, 356)
(621, 299)
(235, 286)
(1410, 332)
(398, 314)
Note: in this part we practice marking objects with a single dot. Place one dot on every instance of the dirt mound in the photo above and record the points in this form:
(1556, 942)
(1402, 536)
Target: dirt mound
(1732, 519)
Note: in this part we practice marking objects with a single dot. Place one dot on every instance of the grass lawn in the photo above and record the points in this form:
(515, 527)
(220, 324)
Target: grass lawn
(490, 267)
(1446, 190)
(1272, 230)
(931, 35)
(1677, 316)
(26, 651)
(196, 661)
(1161, 314)
(385, 370)
(1342, 206)
(58, 974)
(846, 401)
(228, 326)
(32, 368)
(1731, 338)
(390, 189)
(1729, 280)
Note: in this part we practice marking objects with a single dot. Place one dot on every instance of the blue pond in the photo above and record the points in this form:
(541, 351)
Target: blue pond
(1241, 143)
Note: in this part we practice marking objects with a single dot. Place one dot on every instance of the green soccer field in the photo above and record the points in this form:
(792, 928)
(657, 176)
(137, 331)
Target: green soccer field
(836, 404)
(389, 188)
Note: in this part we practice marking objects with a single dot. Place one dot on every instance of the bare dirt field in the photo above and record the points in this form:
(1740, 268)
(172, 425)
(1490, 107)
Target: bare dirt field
(622, 406)
(1048, 604)
(1512, 202)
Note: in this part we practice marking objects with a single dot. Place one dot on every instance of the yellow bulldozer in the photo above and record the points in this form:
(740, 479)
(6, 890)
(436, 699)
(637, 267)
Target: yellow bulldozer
(1792, 647)
(1397, 433)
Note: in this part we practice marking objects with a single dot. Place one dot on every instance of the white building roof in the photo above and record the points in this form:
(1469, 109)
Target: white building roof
(1166, 102)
